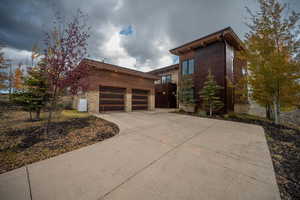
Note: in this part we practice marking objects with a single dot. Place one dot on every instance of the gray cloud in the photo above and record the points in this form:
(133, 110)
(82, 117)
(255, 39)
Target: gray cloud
(158, 25)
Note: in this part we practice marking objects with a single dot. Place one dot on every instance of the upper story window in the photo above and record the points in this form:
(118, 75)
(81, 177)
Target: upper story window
(166, 78)
(188, 67)
(157, 82)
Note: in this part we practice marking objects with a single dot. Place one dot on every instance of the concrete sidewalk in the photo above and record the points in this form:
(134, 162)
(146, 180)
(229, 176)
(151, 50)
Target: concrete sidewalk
(156, 156)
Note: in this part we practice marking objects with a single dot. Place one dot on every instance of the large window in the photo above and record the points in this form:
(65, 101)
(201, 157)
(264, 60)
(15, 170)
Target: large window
(188, 67)
(166, 78)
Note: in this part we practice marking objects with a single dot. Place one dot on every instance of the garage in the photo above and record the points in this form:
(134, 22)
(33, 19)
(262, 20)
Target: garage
(140, 99)
(111, 98)
(108, 87)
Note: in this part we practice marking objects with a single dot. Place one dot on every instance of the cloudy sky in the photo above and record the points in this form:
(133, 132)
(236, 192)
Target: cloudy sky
(132, 33)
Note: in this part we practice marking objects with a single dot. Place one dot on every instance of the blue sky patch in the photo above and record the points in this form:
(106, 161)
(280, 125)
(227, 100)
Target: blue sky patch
(127, 31)
(175, 59)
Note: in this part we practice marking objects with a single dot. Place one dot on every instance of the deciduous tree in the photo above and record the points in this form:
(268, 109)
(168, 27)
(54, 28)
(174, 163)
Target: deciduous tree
(66, 46)
(18, 78)
(272, 48)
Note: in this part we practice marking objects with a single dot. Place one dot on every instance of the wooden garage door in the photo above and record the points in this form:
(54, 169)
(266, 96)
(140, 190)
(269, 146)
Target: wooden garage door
(111, 98)
(139, 99)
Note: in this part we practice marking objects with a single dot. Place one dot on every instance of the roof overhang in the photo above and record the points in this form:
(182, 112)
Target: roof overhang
(117, 69)
(164, 69)
(226, 34)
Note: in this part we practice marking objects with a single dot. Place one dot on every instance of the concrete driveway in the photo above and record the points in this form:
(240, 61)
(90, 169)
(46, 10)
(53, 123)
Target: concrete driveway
(157, 155)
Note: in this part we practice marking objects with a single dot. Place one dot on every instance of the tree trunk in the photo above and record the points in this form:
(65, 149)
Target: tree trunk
(276, 110)
(52, 106)
(276, 117)
(270, 112)
(38, 114)
(210, 110)
(49, 117)
(30, 116)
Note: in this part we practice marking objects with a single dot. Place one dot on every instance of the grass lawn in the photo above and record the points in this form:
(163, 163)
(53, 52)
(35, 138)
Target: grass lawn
(284, 144)
(23, 142)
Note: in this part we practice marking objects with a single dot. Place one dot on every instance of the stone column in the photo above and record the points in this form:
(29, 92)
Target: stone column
(128, 100)
(93, 101)
(151, 100)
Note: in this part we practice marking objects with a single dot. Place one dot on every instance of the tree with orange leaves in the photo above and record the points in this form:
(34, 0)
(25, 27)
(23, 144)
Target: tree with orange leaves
(273, 47)
(18, 78)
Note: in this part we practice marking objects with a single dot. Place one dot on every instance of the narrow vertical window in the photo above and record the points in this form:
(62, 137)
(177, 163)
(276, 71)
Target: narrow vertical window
(188, 67)
(185, 67)
(191, 66)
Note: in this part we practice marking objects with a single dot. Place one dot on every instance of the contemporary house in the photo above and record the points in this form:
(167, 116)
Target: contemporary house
(215, 52)
(117, 88)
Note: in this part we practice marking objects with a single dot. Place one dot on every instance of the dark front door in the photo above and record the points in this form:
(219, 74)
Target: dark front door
(165, 95)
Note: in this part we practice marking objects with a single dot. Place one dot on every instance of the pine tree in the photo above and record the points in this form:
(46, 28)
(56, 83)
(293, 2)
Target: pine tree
(272, 48)
(34, 97)
(209, 94)
(186, 91)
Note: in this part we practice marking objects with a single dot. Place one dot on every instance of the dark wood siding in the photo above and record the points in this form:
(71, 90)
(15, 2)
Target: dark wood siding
(111, 98)
(229, 78)
(140, 99)
(210, 57)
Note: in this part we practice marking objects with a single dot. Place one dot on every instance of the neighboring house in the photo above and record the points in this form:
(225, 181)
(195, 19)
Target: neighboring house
(116, 88)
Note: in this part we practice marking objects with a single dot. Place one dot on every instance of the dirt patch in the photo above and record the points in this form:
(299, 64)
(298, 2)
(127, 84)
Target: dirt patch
(23, 142)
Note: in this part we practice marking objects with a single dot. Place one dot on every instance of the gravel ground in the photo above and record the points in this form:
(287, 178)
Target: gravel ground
(292, 117)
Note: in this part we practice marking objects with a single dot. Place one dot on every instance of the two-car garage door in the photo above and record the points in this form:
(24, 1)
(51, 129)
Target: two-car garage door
(113, 99)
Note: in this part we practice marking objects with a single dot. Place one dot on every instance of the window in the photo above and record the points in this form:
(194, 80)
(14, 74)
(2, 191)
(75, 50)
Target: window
(188, 67)
(185, 67)
(166, 78)
(157, 82)
(191, 66)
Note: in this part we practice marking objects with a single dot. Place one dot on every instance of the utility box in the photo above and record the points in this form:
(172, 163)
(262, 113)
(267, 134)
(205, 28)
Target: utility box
(82, 105)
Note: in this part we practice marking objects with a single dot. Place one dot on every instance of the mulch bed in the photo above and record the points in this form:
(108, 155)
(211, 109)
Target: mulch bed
(284, 145)
(19, 147)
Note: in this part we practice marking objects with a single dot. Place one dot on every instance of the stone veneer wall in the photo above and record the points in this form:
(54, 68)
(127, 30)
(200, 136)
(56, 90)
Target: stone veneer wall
(93, 101)
(151, 101)
(128, 99)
